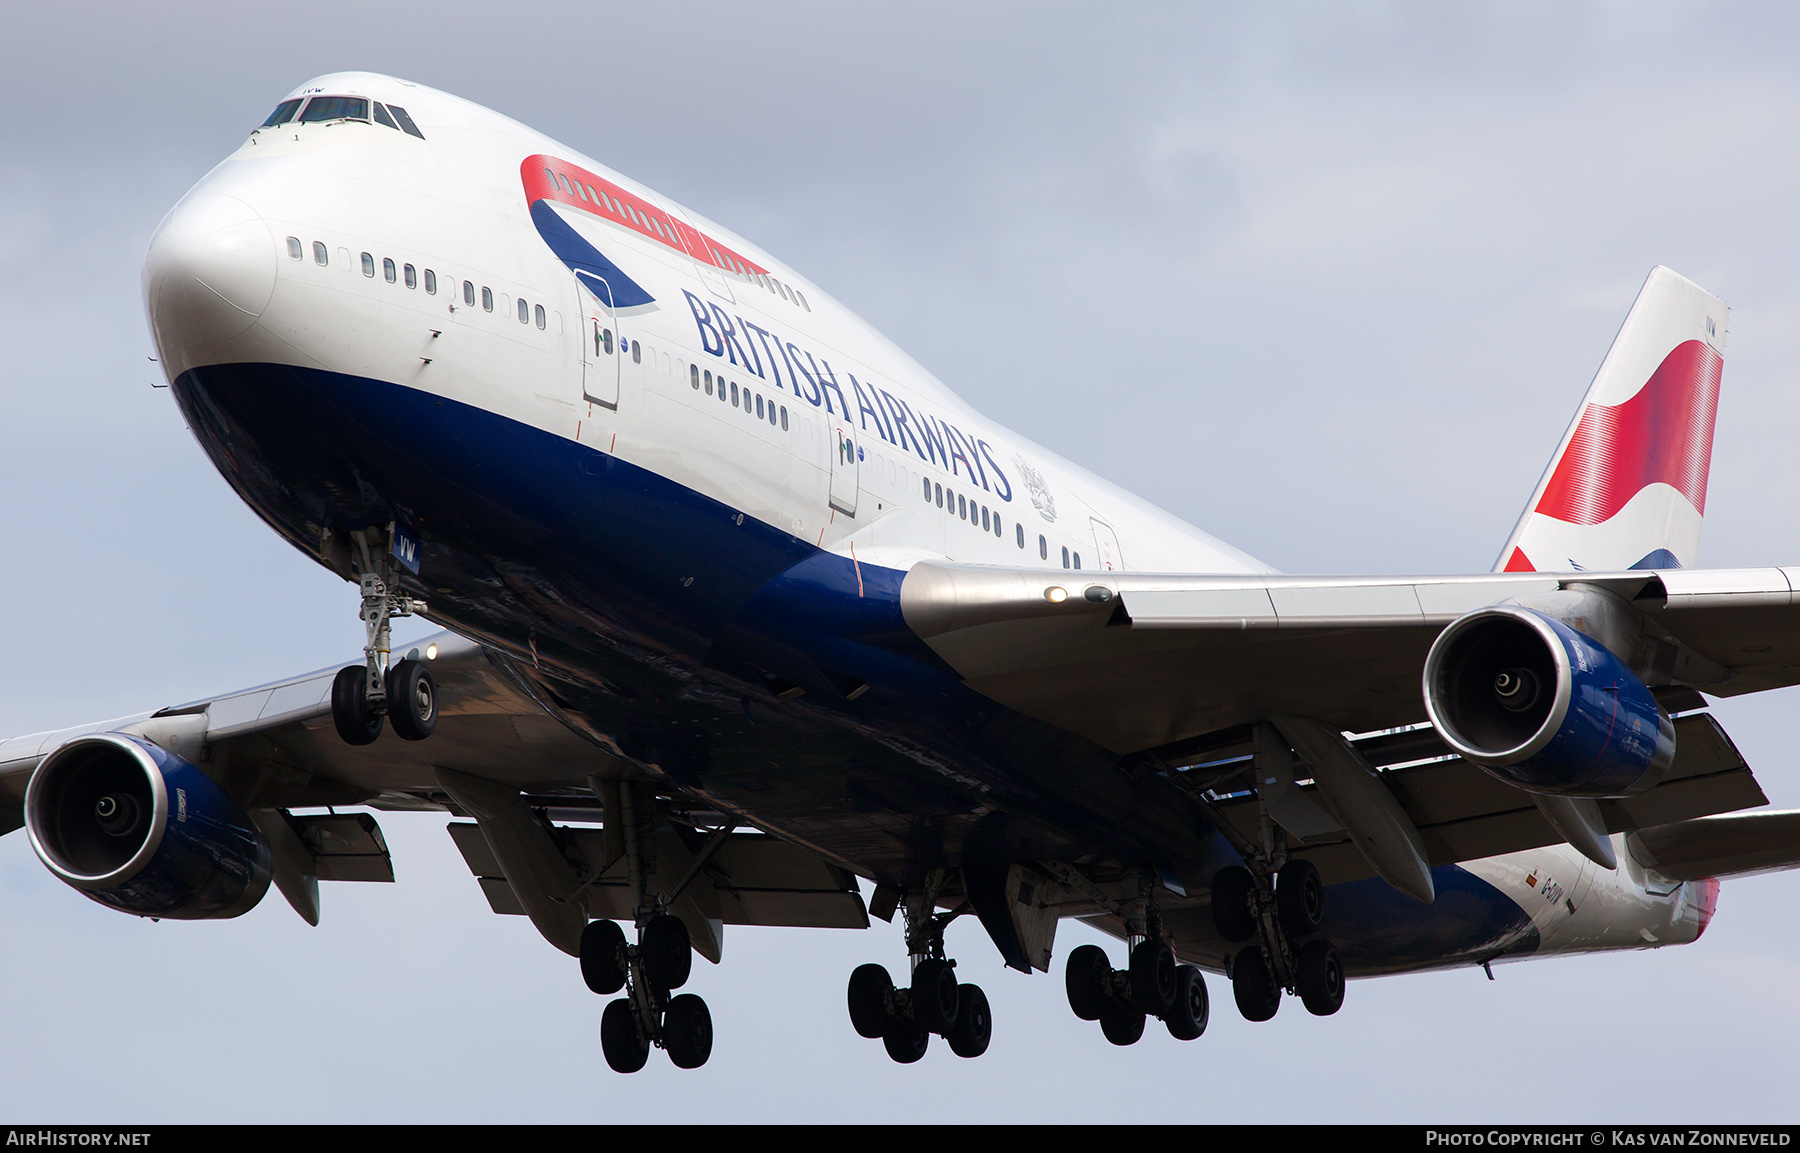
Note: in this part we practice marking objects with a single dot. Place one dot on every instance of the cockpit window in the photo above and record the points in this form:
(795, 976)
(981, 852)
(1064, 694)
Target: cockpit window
(335, 108)
(382, 117)
(283, 113)
(406, 122)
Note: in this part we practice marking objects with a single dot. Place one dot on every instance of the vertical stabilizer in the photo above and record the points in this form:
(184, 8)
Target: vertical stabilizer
(1627, 486)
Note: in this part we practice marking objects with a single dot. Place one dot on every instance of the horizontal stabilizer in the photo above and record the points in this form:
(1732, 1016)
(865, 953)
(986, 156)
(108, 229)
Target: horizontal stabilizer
(1729, 845)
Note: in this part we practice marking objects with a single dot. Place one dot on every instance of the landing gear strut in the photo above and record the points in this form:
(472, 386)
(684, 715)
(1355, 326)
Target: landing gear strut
(362, 697)
(1277, 916)
(935, 1002)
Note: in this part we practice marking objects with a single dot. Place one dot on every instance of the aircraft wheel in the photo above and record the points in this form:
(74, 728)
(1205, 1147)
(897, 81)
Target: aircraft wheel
(871, 989)
(1188, 1018)
(1232, 889)
(974, 1026)
(905, 1042)
(625, 1048)
(1153, 978)
(668, 955)
(603, 963)
(412, 700)
(1321, 979)
(1253, 986)
(1085, 977)
(688, 1032)
(1121, 1026)
(1299, 899)
(350, 711)
(934, 996)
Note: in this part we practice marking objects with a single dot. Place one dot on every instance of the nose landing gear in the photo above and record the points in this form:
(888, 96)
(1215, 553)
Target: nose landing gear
(363, 697)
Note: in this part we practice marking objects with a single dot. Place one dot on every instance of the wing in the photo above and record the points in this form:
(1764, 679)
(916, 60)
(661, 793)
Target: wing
(1172, 671)
(529, 774)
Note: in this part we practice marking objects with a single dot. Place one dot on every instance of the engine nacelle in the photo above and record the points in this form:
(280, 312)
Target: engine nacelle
(1544, 707)
(141, 830)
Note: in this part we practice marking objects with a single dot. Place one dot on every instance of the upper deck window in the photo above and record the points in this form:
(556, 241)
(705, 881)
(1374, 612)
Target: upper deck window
(283, 113)
(335, 108)
(406, 122)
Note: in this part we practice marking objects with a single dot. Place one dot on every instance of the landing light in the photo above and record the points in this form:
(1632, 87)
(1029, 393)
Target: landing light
(1056, 594)
(431, 652)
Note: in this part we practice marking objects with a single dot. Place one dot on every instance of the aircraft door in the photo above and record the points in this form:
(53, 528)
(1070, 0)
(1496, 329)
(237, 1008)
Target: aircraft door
(844, 467)
(600, 342)
(1106, 545)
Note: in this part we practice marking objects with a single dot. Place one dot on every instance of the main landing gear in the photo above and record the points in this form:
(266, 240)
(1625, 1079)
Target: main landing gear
(362, 697)
(647, 1015)
(935, 1002)
(1153, 984)
(1277, 917)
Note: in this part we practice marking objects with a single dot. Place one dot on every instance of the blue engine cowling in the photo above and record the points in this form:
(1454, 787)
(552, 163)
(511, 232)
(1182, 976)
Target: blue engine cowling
(141, 830)
(1544, 707)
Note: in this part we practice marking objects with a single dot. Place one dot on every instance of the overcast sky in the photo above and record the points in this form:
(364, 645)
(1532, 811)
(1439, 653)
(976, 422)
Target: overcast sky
(1326, 280)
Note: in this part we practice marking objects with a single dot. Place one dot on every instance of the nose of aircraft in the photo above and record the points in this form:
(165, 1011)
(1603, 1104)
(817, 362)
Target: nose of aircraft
(208, 276)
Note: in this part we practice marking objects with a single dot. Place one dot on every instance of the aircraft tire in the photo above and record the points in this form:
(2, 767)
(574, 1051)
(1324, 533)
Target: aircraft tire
(625, 1048)
(1321, 979)
(667, 952)
(412, 700)
(1232, 889)
(1253, 986)
(1188, 1018)
(1153, 978)
(603, 957)
(934, 996)
(1120, 1025)
(1299, 898)
(688, 1032)
(1086, 975)
(350, 711)
(974, 1026)
(905, 1042)
(870, 992)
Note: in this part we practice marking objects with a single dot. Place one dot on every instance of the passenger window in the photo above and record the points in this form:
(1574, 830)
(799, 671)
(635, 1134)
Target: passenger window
(406, 122)
(962, 508)
(784, 425)
(368, 263)
(319, 257)
(1077, 560)
(927, 481)
(469, 293)
(283, 113)
(734, 394)
(412, 277)
(487, 298)
(694, 376)
(606, 340)
(803, 303)
(430, 282)
(524, 311)
(295, 252)
(940, 494)
(637, 353)
(1020, 529)
(984, 517)
(1043, 548)
(335, 108)
(382, 117)
(708, 379)
(1065, 556)
(997, 524)
(387, 268)
(537, 314)
(759, 406)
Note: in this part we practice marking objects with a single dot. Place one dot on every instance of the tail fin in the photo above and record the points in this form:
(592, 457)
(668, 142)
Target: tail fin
(1627, 486)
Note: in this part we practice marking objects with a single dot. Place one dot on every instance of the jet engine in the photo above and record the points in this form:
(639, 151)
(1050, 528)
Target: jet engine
(139, 829)
(1544, 707)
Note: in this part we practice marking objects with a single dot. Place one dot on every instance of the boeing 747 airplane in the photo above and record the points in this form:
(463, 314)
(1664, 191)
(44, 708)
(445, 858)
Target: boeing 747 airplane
(747, 615)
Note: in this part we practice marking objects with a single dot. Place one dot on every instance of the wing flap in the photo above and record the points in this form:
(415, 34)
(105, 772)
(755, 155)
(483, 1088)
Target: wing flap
(1736, 845)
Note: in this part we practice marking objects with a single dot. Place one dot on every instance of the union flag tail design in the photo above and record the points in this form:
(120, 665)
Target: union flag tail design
(1627, 486)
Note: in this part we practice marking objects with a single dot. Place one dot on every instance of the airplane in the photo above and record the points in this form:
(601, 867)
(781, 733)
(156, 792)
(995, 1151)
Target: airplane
(745, 611)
